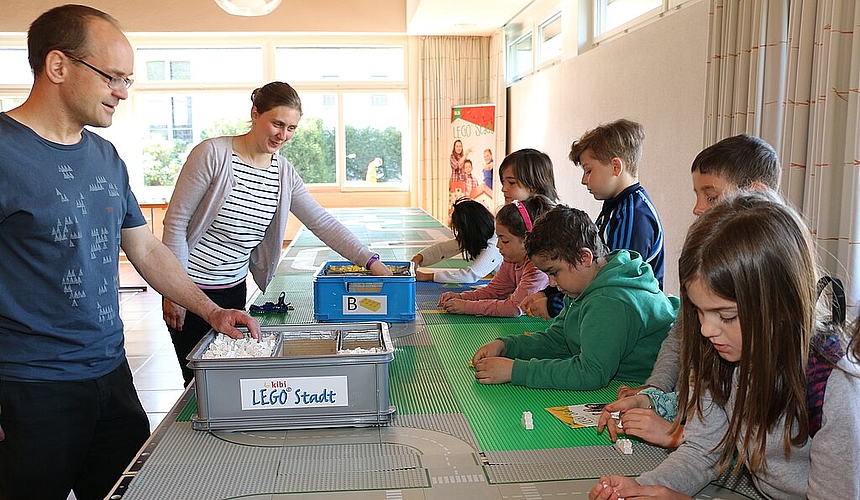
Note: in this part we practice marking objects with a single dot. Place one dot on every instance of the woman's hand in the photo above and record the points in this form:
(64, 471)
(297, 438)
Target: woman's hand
(607, 488)
(378, 268)
(625, 391)
(173, 314)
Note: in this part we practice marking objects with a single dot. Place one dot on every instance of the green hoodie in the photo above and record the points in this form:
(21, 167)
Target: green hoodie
(613, 329)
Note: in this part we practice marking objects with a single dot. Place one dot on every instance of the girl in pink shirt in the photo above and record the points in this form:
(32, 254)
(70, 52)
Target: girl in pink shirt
(517, 277)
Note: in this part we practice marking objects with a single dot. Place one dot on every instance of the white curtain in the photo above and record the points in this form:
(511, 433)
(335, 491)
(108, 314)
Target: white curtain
(453, 71)
(789, 72)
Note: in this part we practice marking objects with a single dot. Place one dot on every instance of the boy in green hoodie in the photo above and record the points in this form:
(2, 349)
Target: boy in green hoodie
(612, 323)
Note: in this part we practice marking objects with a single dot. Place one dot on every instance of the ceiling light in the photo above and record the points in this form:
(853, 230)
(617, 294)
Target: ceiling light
(248, 7)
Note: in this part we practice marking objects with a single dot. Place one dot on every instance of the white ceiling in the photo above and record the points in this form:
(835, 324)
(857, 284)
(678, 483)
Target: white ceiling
(460, 17)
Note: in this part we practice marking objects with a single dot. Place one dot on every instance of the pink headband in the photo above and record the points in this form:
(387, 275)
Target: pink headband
(525, 214)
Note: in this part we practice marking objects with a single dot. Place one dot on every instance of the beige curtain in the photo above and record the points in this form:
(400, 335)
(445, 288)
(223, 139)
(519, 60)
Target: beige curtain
(789, 72)
(453, 71)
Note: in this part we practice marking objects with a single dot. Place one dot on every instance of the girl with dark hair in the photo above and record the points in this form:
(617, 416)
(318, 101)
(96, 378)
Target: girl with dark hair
(517, 277)
(474, 237)
(229, 209)
(525, 173)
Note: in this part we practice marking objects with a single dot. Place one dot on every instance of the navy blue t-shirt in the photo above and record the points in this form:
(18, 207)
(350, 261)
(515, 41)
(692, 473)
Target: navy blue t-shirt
(630, 221)
(62, 208)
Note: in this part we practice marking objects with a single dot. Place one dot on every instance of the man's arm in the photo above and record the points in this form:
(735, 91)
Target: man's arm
(159, 267)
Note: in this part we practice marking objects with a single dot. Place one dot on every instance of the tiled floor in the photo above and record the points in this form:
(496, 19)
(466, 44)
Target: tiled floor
(150, 352)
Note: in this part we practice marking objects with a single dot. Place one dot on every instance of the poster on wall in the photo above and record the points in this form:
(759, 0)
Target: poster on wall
(473, 166)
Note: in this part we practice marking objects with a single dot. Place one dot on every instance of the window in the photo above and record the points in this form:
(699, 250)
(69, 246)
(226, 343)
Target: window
(352, 136)
(171, 124)
(199, 65)
(374, 126)
(343, 64)
(313, 150)
(549, 46)
(611, 14)
(520, 57)
(16, 67)
(190, 87)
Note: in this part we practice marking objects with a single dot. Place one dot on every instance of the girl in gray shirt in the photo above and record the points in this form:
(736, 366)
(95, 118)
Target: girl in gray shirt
(748, 289)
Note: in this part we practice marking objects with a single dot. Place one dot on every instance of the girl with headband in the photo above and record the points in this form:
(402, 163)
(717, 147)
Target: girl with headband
(517, 277)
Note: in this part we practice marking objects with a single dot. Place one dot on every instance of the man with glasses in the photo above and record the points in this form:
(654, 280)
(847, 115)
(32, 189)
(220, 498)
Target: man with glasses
(70, 418)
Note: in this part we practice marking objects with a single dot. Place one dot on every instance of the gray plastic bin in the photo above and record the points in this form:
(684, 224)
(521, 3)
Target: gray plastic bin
(309, 381)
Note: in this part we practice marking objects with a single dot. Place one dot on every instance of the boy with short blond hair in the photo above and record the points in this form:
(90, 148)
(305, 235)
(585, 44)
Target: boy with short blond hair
(609, 156)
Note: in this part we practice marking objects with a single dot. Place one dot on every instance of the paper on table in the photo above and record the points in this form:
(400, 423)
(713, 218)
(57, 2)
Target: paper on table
(578, 416)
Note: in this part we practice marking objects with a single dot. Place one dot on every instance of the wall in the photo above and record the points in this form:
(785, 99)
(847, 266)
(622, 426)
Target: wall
(654, 75)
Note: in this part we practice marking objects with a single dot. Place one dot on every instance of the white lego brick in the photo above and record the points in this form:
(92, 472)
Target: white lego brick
(527, 421)
(624, 446)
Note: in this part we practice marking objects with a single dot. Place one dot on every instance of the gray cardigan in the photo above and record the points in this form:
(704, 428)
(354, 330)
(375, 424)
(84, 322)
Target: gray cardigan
(205, 182)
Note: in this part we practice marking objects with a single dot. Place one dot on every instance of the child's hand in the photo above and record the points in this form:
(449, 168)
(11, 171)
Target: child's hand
(455, 306)
(606, 488)
(622, 406)
(626, 391)
(496, 370)
(647, 425)
(489, 350)
(535, 305)
(423, 276)
(445, 297)
(418, 259)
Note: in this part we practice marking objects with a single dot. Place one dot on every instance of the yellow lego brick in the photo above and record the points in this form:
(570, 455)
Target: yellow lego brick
(369, 303)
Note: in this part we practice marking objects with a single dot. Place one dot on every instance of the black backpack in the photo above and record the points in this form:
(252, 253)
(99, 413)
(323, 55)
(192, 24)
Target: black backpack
(825, 352)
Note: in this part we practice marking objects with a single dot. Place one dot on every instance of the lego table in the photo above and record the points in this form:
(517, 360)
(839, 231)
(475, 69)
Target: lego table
(451, 437)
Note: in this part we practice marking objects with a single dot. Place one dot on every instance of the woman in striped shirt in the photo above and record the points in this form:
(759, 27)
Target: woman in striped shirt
(229, 209)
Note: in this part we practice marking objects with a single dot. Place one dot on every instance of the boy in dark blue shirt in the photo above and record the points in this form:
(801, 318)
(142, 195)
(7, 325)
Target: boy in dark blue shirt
(609, 156)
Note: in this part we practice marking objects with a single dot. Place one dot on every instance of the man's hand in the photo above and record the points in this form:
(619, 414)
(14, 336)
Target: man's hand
(173, 314)
(225, 321)
(535, 305)
(2, 434)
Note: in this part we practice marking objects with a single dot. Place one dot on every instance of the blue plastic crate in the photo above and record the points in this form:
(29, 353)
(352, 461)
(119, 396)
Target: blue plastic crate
(359, 296)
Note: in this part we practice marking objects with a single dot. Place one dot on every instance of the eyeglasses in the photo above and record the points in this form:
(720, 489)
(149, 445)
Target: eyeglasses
(114, 82)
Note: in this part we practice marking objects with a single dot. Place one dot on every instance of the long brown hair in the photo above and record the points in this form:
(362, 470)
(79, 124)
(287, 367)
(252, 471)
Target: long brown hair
(755, 251)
